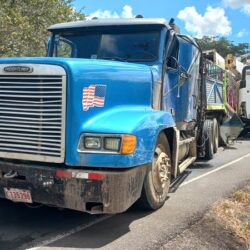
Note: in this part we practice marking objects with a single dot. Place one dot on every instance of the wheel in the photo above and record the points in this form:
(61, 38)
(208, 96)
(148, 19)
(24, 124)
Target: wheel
(157, 181)
(208, 134)
(215, 135)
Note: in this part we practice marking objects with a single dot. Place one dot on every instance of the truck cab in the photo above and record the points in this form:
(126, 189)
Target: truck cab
(107, 119)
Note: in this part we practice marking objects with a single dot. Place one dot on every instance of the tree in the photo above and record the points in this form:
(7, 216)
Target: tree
(24, 23)
(223, 46)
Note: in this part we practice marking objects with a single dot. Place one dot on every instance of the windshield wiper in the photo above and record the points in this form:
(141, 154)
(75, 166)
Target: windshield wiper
(142, 57)
(113, 58)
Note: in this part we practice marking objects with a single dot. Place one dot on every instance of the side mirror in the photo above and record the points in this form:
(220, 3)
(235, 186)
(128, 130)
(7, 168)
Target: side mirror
(172, 63)
(183, 75)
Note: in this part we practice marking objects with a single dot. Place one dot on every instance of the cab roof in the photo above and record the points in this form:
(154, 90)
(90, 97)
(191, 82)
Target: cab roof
(109, 22)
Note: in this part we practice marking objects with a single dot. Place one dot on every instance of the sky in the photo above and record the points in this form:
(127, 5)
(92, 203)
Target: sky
(229, 18)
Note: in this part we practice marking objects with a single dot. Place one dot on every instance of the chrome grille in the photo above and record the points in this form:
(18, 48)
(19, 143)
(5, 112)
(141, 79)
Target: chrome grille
(32, 115)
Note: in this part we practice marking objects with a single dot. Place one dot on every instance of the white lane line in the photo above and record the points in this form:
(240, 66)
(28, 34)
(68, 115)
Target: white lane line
(68, 233)
(215, 170)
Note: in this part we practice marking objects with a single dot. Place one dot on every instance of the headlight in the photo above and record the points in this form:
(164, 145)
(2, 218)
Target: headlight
(112, 144)
(91, 142)
(107, 143)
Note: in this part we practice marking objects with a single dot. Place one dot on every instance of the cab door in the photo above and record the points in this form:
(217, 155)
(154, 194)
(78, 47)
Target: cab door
(182, 82)
(171, 76)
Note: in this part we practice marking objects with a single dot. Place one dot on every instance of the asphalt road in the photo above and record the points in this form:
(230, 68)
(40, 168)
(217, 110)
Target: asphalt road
(50, 228)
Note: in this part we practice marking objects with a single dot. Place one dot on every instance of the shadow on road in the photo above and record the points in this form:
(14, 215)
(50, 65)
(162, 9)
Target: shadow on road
(201, 165)
(103, 233)
(230, 147)
(22, 227)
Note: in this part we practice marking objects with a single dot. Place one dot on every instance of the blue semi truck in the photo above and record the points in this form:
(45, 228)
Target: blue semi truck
(113, 114)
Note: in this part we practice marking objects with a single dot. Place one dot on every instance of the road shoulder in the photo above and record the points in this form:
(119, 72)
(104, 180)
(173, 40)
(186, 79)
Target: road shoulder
(225, 226)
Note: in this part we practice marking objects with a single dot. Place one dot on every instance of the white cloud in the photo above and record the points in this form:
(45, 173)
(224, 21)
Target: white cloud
(214, 22)
(244, 5)
(127, 12)
(242, 33)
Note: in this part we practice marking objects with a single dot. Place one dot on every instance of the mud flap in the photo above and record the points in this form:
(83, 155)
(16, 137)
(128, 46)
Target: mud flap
(246, 129)
(231, 129)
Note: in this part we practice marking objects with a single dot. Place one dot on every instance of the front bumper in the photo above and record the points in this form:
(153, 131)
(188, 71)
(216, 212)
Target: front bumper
(115, 192)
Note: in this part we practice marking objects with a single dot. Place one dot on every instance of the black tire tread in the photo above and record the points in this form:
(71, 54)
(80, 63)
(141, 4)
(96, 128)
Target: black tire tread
(208, 133)
(215, 131)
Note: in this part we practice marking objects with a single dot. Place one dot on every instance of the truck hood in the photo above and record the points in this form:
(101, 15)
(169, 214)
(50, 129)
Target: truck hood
(123, 83)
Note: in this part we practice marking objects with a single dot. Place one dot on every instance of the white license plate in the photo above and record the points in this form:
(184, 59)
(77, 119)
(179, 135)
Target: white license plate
(18, 195)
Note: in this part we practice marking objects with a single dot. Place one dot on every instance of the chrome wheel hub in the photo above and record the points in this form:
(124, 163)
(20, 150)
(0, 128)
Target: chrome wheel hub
(160, 171)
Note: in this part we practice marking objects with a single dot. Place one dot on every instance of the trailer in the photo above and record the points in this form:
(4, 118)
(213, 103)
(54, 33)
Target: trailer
(111, 117)
(214, 57)
(222, 104)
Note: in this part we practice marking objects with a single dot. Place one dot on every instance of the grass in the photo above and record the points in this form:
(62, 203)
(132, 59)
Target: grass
(234, 214)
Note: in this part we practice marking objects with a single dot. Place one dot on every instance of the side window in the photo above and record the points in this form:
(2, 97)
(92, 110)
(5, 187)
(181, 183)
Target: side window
(173, 54)
(63, 48)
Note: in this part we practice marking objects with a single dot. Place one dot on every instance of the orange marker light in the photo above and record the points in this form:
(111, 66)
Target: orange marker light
(128, 144)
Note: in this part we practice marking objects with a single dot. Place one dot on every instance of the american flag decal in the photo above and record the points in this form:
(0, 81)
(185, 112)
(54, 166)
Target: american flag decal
(93, 96)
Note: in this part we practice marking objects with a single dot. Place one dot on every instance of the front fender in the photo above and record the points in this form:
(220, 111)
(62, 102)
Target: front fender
(143, 122)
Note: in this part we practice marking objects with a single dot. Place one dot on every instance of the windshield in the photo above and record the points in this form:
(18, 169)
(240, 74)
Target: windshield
(121, 46)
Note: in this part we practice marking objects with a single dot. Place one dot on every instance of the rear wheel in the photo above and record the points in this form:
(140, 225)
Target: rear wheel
(157, 181)
(215, 135)
(208, 134)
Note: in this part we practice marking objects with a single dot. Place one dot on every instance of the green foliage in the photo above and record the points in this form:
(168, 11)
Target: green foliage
(24, 23)
(223, 46)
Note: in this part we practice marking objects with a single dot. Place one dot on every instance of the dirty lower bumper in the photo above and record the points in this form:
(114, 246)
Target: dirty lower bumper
(78, 189)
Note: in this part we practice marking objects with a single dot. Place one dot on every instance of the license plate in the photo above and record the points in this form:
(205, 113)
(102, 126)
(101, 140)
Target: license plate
(18, 195)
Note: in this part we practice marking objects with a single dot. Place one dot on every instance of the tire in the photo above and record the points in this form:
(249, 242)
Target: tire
(215, 135)
(208, 134)
(157, 180)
